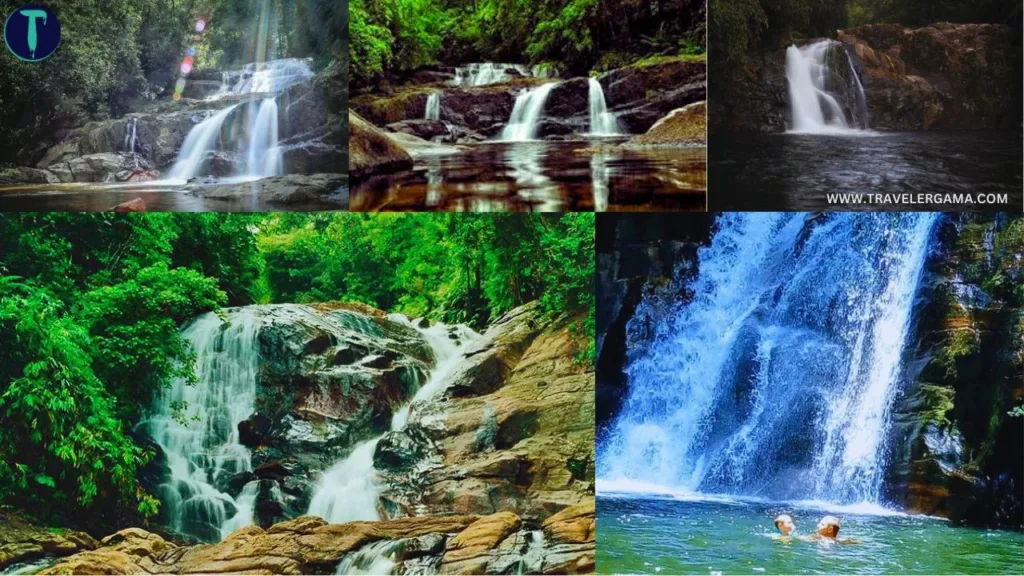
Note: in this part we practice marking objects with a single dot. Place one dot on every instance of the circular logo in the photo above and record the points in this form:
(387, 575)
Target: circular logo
(32, 32)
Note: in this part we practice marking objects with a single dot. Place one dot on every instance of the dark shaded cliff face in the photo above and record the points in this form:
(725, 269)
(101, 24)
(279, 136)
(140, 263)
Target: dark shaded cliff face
(940, 77)
(637, 253)
(956, 449)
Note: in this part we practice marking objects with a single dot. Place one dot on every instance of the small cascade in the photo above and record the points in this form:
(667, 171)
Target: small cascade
(348, 491)
(484, 73)
(820, 93)
(198, 144)
(375, 559)
(131, 135)
(778, 378)
(433, 109)
(526, 112)
(264, 155)
(196, 426)
(271, 77)
(602, 122)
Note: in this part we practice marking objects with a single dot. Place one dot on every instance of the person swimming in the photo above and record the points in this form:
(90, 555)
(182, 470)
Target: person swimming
(828, 527)
(785, 524)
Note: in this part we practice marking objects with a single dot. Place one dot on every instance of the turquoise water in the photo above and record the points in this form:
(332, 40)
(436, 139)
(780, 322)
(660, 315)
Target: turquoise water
(666, 535)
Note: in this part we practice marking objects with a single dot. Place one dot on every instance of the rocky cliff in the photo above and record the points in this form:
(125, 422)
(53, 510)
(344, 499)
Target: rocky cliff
(956, 445)
(939, 77)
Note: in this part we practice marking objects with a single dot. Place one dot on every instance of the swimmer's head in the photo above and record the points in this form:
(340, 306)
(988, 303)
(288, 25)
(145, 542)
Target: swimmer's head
(828, 527)
(785, 524)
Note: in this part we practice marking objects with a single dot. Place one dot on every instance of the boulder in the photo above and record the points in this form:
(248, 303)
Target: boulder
(200, 89)
(253, 429)
(27, 175)
(313, 157)
(136, 205)
(21, 541)
(290, 189)
(371, 151)
(686, 126)
(103, 167)
(426, 129)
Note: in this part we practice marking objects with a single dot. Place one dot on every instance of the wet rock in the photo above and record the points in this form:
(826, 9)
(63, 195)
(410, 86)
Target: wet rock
(426, 129)
(469, 551)
(253, 429)
(512, 431)
(569, 99)
(313, 158)
(401, 449)
(27, 175)
(104, 167)
(371, 151)
(136, 205)
(303, 108)
(645, 92)
(290, 189)
(22, 541)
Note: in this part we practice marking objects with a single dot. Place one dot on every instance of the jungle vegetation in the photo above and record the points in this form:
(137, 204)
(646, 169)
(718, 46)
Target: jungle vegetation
(91, 306)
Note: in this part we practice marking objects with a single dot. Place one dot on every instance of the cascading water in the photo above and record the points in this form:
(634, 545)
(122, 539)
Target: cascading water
(777, 379)
(820, 93)
(199, 143)
(201, 444)
(348, 491)
(131, 134)
(529, 105)
(602, 122)
(263, 156)
(484, 73)
(433, 109)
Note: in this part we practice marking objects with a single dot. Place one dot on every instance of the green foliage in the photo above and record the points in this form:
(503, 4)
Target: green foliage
(394, 36)
(90, 309)
(115, 54)
(468, 268)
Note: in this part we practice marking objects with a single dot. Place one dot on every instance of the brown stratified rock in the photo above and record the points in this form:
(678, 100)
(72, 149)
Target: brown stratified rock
(686, 126)
(573, 525)
(470, 551)
(22, 541)
(371, 151)
(303, 545)
(646, 91)
(136, 205)
(514, 431)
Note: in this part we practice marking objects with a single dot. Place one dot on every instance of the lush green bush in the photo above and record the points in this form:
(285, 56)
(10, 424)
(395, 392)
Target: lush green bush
(393, 36)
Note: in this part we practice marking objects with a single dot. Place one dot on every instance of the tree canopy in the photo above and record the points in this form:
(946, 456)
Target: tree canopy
(393, 36)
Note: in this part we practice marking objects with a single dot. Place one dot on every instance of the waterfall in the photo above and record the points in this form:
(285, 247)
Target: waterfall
(602, 122)
(484, 73)
(433, 110)
(348, 491)
(529, 105)
(264, 155)
(816, 89)
(131, 134)
(201, 443)
(199, 142)
(777, 378)
(273, 76)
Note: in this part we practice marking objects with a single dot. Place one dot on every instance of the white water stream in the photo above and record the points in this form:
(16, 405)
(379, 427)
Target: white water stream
(348, 491)
(433, 109)
(814, 104)
(602, 122)
(202, 444)
(526, 113)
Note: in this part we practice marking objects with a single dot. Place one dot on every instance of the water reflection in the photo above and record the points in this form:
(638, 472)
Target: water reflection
(543, 176)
